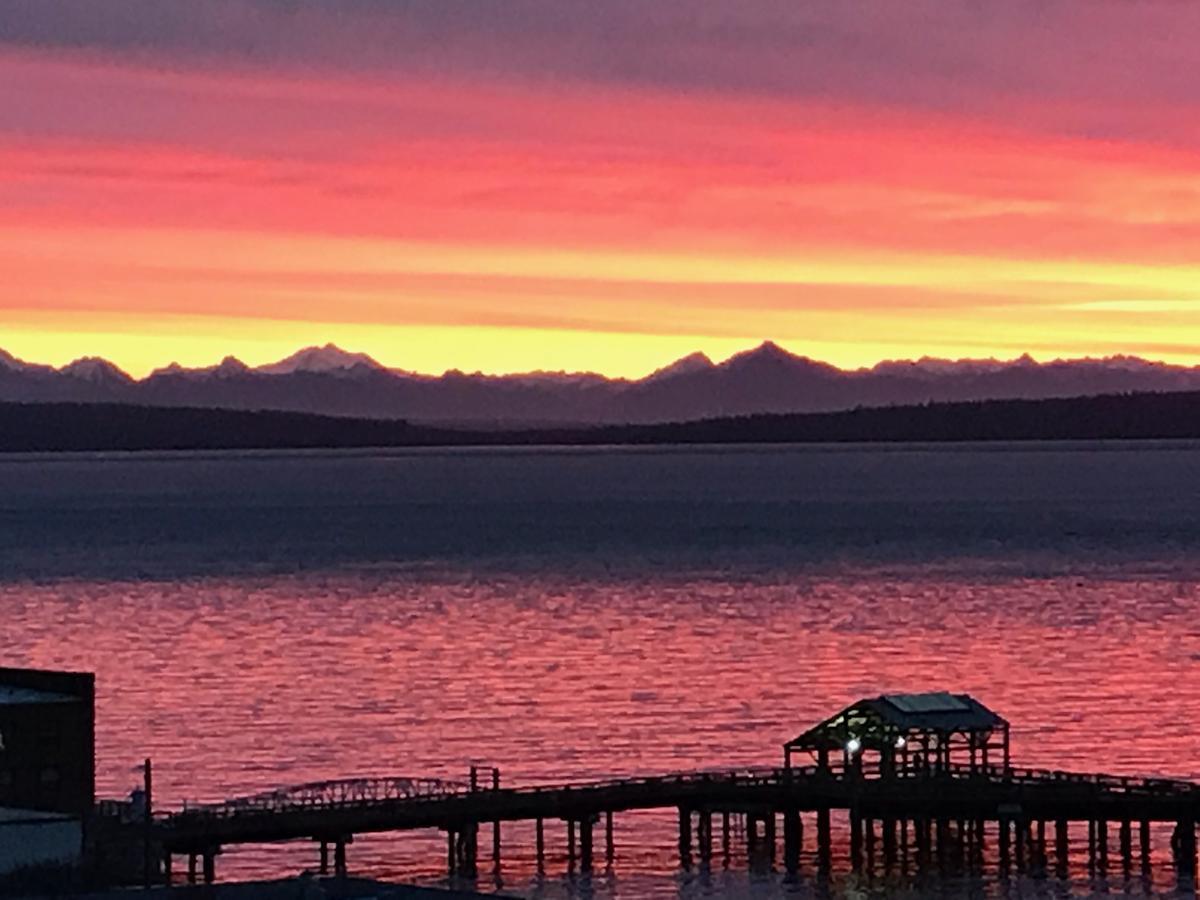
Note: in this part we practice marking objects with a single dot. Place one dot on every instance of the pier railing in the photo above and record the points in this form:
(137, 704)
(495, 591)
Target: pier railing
(368, 793)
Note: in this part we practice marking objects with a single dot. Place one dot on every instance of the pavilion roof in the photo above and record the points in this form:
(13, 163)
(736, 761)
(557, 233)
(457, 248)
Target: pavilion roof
(892, 715)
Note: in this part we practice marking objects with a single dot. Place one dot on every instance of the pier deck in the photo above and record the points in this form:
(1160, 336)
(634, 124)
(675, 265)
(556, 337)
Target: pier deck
(933, 766)
(1015, 799)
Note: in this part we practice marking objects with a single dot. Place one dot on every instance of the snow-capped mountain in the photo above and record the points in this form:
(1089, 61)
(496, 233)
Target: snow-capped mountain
(765, 379)
(329, 358)
(95, 370)
(693, 362)
(9, 363)
(229, 367)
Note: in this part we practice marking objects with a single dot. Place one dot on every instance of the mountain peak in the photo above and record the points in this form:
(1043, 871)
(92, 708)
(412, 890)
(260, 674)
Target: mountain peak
(693, 362)
(768, 353)
(95, 370)
(230, 365)
(10, 362)
(329, 358)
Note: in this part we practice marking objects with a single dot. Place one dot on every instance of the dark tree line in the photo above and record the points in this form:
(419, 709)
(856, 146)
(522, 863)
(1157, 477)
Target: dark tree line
(98, 427)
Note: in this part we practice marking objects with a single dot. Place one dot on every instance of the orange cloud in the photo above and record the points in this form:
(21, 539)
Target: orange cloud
(533, 226)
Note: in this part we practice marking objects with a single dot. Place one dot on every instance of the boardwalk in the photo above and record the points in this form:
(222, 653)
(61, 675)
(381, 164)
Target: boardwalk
(1013, 802)
(911, 773)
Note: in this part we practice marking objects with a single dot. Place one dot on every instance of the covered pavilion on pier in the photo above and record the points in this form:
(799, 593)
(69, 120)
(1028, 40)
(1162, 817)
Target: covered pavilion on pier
(906, 732)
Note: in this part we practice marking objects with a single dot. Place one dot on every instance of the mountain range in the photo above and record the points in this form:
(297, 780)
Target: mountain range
(767, 379)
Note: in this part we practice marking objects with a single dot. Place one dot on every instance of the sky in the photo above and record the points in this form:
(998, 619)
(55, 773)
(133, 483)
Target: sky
(566, 184)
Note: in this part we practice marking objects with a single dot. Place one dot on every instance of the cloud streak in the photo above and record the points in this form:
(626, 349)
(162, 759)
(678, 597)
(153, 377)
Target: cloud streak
(1105, 57)
(876, 178)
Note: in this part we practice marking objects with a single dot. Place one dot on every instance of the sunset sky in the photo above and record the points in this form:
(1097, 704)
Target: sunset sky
(572, 184)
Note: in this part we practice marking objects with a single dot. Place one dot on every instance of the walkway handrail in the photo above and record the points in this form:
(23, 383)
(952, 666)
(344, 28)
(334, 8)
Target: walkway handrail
(366, 793)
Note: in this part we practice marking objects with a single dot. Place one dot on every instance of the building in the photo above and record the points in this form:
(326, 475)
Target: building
(47, 748)
(31, 840)
(902, 732)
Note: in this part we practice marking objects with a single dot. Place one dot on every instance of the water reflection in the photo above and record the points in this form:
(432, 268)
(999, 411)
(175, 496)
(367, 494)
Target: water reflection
(239, 684)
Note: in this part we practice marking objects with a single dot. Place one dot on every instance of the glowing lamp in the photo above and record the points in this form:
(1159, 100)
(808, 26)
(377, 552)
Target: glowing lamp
(853, 745)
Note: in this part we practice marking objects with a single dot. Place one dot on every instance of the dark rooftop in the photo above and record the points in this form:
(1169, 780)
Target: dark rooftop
(898, 714)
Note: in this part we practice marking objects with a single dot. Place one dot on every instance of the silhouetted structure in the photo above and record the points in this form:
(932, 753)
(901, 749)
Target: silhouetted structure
(47, 727)
(947, 811)
(903, 731)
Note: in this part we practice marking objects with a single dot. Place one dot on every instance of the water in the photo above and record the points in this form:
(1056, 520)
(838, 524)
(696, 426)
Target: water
(257, 620)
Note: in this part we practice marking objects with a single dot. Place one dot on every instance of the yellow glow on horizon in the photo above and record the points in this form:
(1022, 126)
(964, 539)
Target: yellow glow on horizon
(195, 342)
(139, 346)
(164, 310)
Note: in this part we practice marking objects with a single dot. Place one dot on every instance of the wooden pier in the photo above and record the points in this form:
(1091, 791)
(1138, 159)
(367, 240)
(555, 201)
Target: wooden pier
(904, 792)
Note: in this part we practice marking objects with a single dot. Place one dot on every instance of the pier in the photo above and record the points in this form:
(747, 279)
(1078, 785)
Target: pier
(897, 783)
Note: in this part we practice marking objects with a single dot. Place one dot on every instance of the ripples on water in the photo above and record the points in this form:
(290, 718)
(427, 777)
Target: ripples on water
(257, 621)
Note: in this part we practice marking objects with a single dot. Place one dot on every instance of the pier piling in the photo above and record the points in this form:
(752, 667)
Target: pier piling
(585, 845)
(495, 825)
(1183, 842)
(889, 844)
(792, 840)
(685, 838)
(824, 843)
(570, 845)
(869, 843)
(1126, 839)
(725, 838)
(1005, 845)
(610, 848)
(1062, 848)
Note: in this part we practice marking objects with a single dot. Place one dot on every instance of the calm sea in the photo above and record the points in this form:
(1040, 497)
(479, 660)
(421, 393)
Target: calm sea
(258, 620)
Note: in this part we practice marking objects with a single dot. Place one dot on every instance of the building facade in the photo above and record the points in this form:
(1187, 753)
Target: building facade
(47, 741)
